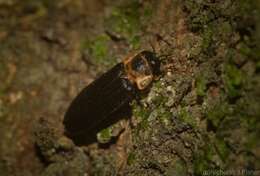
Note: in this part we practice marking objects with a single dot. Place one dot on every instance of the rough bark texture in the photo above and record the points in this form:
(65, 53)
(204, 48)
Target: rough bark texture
(200, 118)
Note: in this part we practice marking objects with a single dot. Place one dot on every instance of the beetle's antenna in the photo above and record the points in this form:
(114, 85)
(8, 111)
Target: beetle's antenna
(159, 38)
(164, 55)
(152, 46)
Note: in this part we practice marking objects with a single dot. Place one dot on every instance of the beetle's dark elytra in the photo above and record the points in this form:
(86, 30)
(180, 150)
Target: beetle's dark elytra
(108, 98)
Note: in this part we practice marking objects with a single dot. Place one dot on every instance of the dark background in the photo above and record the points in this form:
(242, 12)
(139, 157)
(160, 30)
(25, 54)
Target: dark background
(201, 117)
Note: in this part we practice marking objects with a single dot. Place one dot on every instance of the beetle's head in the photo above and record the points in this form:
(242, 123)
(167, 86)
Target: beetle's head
(142, 68)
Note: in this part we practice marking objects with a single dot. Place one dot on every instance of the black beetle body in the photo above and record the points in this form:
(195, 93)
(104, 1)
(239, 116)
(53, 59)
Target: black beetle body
(107, 99)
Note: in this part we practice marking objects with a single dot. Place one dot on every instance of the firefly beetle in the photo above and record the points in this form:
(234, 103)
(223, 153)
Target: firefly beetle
(108, 98)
